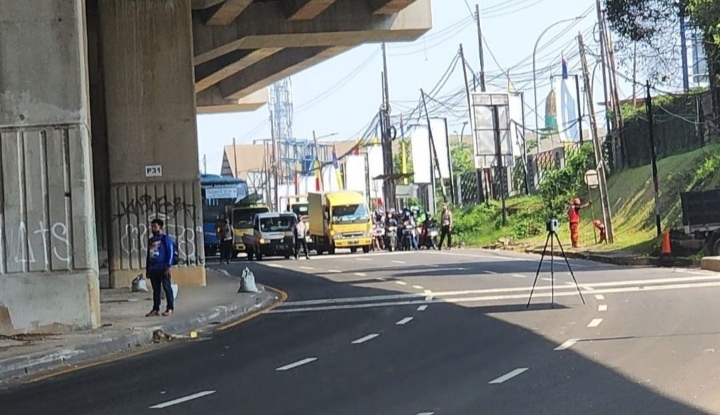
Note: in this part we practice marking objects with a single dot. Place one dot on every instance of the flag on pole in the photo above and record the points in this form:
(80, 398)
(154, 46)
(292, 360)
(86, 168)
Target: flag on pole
(318, 173)
(336, 166)
(564, 68)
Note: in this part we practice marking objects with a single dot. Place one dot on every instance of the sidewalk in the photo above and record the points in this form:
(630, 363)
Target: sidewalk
(125, 327)
(620, 258)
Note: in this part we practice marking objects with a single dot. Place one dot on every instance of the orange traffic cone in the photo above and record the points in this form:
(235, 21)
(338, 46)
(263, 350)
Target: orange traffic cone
(666, 249)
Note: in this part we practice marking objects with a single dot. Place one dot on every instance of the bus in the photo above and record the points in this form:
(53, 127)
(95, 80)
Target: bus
(218, 193)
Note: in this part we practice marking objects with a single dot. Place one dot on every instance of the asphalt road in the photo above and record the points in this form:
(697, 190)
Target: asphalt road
(428, 333)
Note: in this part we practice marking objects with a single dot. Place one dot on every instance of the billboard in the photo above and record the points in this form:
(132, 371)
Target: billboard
(484, 104)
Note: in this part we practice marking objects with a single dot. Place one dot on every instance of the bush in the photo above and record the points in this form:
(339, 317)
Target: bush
(559, 186)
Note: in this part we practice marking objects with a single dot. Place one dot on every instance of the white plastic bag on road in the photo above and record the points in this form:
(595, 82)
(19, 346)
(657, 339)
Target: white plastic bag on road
(139, 284)
(247, 282)
(175, 290)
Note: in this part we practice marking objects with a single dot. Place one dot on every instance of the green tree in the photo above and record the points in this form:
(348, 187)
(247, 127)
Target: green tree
(461, 156)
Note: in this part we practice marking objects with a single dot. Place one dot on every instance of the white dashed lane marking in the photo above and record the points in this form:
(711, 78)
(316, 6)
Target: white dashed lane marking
(595, 322)
(308, 268)
(400, 283)
(182, 400)
(508, 376)
(568, 344)
(602, 307)
(296, 364)
(399, 262)
(360, 274)
(599, 297)
(418, 287)
(422, 308)
(404, 321)
(366, 338)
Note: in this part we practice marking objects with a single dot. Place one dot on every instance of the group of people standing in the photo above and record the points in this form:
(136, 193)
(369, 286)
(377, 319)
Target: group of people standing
(419, 220)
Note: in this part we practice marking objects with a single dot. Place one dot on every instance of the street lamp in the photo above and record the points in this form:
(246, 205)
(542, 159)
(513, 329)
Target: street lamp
(537, 42)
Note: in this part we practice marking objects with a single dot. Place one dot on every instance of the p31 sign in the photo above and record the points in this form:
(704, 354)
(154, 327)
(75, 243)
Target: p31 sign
(153, 171)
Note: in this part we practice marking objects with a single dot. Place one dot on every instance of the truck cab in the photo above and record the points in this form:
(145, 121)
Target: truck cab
(272, 235)
(242, 222)
(339, 220)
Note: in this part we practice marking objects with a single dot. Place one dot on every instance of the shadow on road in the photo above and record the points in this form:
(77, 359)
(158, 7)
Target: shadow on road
(441, 362)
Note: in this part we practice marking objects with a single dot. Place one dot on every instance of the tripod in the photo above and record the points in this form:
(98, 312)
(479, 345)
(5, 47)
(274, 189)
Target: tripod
(551, 238)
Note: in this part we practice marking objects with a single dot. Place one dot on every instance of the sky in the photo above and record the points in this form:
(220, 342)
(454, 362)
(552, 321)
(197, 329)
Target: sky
(342, 95)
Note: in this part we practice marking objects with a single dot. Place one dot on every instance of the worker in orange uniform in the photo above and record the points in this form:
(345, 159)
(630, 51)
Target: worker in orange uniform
(574, 219)
(601, 227)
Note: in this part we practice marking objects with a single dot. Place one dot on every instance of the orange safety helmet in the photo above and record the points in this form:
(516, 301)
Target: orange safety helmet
(576, 201)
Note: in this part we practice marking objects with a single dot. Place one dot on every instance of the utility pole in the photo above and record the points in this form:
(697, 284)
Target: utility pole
(274, 164)
(387, 137)
(617, 113)
(603, 63)
(579, 104)
(634, 76)
(204, 163)
(653, 157)
(480, 48)
(237, 174)
(436, 160)
(602, 180)
(500, 167)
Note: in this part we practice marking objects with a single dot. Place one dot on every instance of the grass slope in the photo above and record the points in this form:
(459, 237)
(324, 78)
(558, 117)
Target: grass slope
(631, 199)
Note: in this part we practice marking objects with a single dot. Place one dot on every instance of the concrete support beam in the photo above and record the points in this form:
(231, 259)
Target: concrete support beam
(210, 102)
(48, 255)
(348, 23)
(151, 121)
(277, 67)
(210, 73)
(227, 12)
(305, 9)
(205, 4)
(389, 6)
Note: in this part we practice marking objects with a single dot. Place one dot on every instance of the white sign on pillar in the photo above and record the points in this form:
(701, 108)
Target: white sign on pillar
(153, 171)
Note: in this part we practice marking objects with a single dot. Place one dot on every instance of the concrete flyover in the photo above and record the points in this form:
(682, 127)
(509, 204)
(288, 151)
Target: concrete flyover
(98, 104)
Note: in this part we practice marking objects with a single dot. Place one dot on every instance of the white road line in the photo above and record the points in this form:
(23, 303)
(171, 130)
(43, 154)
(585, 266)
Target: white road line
(296, 364)
(568, 344)
(595, 322)
(366, 338)
(418, 287)
(182, 400)
(380, 279)
(307, 268)
(400, 283)
(273, 265)
(360, 274)
(404, 321)
(518, 276)
(335, 271)
(400, 262)
(362, 259)
(422, 308)
(426, 413)
(602, 307)
(546, 279)
(490, 272)
(429, 297)
(599, 297)
(586, 288)
(508, 376)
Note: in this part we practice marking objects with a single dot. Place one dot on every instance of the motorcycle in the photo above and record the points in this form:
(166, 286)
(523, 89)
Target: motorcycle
(391, 238)
(408, 235)
(378, 236)
(430, 236)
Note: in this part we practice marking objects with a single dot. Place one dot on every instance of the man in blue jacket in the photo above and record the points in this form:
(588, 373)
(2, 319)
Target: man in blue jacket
(160, 259)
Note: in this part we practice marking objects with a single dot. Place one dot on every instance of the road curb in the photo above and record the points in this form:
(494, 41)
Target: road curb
(624, 260)
(117, 344)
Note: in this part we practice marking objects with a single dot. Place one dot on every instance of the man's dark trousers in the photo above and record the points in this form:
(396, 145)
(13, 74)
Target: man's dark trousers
(160, 280)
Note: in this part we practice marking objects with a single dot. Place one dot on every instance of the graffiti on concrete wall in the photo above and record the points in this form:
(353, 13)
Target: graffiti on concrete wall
(145, 205)
(134, 240)
(54, 239)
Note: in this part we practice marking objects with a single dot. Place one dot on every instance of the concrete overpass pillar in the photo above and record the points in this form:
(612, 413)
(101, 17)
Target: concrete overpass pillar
(48, 256)
(147, 60)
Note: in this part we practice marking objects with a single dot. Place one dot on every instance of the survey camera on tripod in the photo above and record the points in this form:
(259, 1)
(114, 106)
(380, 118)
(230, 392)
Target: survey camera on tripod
(551, 225)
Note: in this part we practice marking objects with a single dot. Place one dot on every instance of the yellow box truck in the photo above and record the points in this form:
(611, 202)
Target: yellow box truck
(339, 220)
